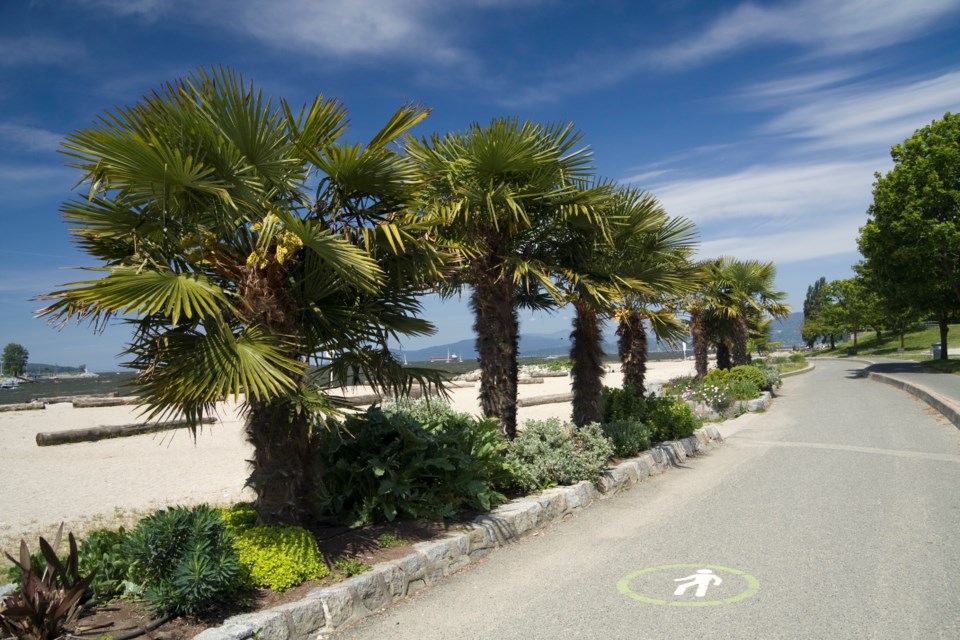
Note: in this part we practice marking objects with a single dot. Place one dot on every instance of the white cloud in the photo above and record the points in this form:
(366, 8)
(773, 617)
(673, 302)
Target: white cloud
(800, 84)
(863, 114)
(823, 26)
(815, 240)
(29, 138)
(149, 9)
(342, 28)
(39, 50)
(772, 192)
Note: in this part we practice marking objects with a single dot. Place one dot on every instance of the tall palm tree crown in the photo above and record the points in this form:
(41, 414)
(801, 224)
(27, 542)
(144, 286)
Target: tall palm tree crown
(241, 241)
(491, 192)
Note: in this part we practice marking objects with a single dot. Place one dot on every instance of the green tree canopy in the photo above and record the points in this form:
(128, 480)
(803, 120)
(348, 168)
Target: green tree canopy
(15, 359)
(911, 242)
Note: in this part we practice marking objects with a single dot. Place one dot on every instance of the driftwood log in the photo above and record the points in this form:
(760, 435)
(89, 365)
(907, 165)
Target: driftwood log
(59, 399)
(86, 403)
(371, 398)
(22, 406)
(553, 399)
(93, 434)
(530, 381)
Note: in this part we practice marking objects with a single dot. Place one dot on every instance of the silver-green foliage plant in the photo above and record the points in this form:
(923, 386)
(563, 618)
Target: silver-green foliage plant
(548, 453)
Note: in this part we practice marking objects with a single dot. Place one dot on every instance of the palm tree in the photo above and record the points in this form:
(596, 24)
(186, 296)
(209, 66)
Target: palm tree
(734, 294)
(661, 261)
(700, 306)
(242, 240)
(640, 258)
(748, 297)
(490, 192)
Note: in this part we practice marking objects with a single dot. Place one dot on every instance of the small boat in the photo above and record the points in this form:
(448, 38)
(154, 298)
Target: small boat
(9, 384)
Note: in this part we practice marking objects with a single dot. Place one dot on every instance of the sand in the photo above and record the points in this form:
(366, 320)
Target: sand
(112, 482)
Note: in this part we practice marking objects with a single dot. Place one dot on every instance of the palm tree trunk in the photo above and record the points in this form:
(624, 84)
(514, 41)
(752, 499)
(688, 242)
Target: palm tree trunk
(723, 355)
(587, 354)
(497, 329)
(280, 467)
(741, 335)
(699, 334)
(633, 352)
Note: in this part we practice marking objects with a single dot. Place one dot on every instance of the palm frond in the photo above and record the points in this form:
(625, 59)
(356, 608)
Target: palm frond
(140, 293)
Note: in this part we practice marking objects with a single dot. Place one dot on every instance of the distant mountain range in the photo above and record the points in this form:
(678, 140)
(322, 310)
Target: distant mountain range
(786, 331)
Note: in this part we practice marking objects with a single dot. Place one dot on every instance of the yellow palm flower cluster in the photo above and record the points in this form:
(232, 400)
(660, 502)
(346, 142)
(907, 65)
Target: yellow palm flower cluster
(275, 243)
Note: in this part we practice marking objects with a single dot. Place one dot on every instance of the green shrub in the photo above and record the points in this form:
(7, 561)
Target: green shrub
(742, 389)
(628, 437)
(279, 556)
(558, 365)
(772, 378)
(388, 541)
(376, 466)
(350, 568)
(547, 453)
(749, 373)
(717, 377)
(423, 410)
(623, 404)
(103, 551)
(670, 419)
(184, 559)
(797, 357)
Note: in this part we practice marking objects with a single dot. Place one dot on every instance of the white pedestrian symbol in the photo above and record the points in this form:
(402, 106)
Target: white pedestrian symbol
(703, 578)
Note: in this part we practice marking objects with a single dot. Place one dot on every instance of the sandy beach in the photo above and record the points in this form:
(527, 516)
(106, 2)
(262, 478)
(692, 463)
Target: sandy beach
(110, 482)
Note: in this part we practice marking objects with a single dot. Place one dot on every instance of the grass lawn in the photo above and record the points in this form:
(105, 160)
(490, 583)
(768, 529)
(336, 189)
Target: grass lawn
(916, 347)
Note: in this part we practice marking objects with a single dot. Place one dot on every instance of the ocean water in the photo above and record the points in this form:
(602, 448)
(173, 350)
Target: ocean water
(118, 383)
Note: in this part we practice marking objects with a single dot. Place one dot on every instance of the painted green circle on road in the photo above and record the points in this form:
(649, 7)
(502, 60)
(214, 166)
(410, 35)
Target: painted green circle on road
(752, 586)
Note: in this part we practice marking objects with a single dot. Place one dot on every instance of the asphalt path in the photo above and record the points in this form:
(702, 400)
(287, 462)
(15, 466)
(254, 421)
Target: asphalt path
(836, 514)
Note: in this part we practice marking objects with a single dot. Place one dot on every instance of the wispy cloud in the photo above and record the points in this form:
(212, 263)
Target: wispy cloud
(149, 9)
(15, 175)
(823, 27)
(772, 192)
(861, 114)
(39, 50)
(816, 28)
(797, 244)
(29, 138)
(343, 28)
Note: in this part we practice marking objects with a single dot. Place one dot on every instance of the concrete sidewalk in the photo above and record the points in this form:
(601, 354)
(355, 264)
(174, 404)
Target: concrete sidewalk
(938, 389)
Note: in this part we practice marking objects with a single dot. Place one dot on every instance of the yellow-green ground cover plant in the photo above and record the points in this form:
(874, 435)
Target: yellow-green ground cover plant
(277, 557)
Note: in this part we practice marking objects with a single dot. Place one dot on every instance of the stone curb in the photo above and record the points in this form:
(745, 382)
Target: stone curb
(810, 367)
(944, 406)
(947, 408)
(326, 609)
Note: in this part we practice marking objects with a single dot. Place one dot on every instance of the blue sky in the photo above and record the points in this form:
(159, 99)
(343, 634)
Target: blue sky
(762, 122)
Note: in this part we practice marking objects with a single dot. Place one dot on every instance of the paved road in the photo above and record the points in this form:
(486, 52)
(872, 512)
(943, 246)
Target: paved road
(841, 502)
